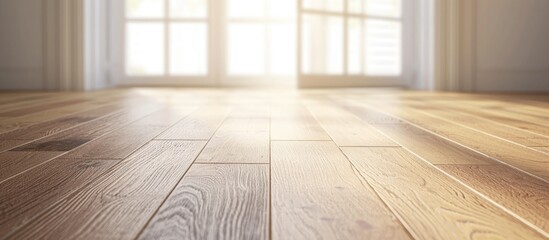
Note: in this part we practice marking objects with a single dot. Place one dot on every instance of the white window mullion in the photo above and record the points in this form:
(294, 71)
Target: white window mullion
(166, 38)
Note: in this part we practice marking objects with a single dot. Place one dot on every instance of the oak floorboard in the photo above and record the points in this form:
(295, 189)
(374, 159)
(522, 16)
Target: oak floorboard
(239, 140)
(34, 132)
(431, 205)
(11, 124)
(45, 149)
(13, 163)
(6, 101)
(25, 196)
(515, 122)
(120, 203)
(290, 122)
(66, 141)
(223, 201)
(542, 149)
(346, 129)
(120, 143)
(200, 125)
(510, 133)
(39, 108)
(525, 196)
(434, 149)
(316, 194)
(529, 160)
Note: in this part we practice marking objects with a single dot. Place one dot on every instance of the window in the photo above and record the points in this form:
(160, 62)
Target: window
(353, 37)
(167, 37)
(248, 41)
(261, 37)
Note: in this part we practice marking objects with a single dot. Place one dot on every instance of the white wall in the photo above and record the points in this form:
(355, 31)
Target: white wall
(21, 44)
(512, 45)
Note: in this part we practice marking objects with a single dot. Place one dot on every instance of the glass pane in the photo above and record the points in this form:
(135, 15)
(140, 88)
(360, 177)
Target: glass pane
(189, 8)
(285, 9)
(355, 6)
(386, 8)
(322, 44)
(246, 8)
(354, 44)
(246, 49)
(145, 49)
(188, 49)
(144, 8)
(324, 5)
(383, 47)
(283, 49)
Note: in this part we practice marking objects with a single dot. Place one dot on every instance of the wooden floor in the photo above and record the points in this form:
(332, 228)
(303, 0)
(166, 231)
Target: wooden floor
(273, 164)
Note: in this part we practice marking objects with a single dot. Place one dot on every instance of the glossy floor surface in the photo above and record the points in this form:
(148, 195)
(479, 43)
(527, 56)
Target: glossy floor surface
(273, 164)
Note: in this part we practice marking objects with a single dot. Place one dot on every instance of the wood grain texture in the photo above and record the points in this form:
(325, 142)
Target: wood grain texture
(510, 133)
(432, 205)
(216, 202)
(316, 194)
(66, 141)
(57, 125)
(291, 122)
(239, 140)
(200, 125)
(118, 204)
(13, 163)
(515, 122)
(47, 148)
(39, 108)
(25, 196)
(459, 166)
(542, 149)
(521, 157)
(430, 147)
(521, 194)
(124, 141)
(346, 129)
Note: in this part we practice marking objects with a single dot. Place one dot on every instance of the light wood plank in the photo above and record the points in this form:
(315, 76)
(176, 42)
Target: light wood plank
(533, 162)
(201, 125)
(510, 133)
(48, 128)
(118, 204)
(39, 108)
(45, 149)
(346, 129)
(291, 122)
(316, 194)
(216, 202)
(25, 196)
(66, 141)
(122, 142)
(11, 124)
(239, 140)
(515, 122)
(432, 205)
(524, 196)
(435, 149)
(542, 149)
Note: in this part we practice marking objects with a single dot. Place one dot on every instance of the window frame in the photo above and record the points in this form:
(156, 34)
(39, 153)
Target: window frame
(166, 78)
(359, 80)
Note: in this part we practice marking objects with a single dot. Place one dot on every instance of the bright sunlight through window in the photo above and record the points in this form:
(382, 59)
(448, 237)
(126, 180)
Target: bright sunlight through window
(179, 38)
